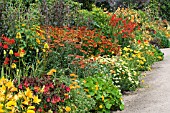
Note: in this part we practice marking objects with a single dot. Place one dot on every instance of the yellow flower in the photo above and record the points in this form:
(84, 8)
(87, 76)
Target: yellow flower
(51, 72)
(13, 89)
(38, 40)
(102, 98)
(100, 106)
(18, 35)
(3, 80)
(4, 52)
(96, 87)
(86, 90)
(126, 49)
(42, 90)
(1, 108)
(89, 96)
(10, 104)
(11, 52)
(29, 93)
(30, 111)
(31, 107)
(9, 84)
(23, 25)
(68, 109)
(77, 86)
(36, 100)
(46, 46)
(13, 65)
(72, 75)
(72, 87)
(26, 101)
(84, 81)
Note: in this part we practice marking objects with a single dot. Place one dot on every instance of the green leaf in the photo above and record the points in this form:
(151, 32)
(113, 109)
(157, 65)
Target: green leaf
(122, 107)
(108, 105)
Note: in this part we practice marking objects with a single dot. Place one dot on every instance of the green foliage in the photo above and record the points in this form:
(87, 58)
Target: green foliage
(164, 9)
(96, 18)
(79, 101)
(14, 14)
(164, 41)
(106, 95)
(86, 4)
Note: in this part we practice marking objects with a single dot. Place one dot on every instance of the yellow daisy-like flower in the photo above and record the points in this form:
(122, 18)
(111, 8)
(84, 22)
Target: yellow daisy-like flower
(18, 35)
(68, 109)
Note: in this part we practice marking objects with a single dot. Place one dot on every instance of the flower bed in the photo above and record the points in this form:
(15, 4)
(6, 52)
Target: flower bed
(80, 68)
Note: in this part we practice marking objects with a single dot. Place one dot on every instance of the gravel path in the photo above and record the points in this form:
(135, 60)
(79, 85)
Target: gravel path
(154, 97)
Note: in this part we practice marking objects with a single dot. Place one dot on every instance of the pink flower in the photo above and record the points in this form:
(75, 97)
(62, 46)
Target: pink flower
(20, 86)
(48, 99)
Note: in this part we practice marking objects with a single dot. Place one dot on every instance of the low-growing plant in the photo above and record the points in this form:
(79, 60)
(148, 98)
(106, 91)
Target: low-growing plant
(107, 96)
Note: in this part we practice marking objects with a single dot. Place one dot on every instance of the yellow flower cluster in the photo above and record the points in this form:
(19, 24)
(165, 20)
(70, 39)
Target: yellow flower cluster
(10, 95)
(74, 84)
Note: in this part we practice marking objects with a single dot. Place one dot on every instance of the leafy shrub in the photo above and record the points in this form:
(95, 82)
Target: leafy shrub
(96, 18)
(164, 41)
(164, 9)
(106, 95)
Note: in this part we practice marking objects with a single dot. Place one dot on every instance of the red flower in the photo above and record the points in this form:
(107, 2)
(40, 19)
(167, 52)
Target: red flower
(139, 41)
(5, 46)
(46, 89)
(45, 106)
(51, 85)
(12, 41)
(0, 44)
(55, 100)
(36, 88)
(26, 84)
(16, 54)
(40, 110)
(6, 61)
(67, 89)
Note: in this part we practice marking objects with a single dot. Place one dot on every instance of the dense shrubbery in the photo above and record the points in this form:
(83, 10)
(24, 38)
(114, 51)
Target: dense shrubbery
(73, 60)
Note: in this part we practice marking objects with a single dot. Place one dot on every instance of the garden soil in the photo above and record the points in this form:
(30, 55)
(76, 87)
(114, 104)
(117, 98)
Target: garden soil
(154, 95)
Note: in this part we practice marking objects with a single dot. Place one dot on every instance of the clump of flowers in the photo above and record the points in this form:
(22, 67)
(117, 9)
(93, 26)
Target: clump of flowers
(14, 100)
(52, 92)
(123, 76)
